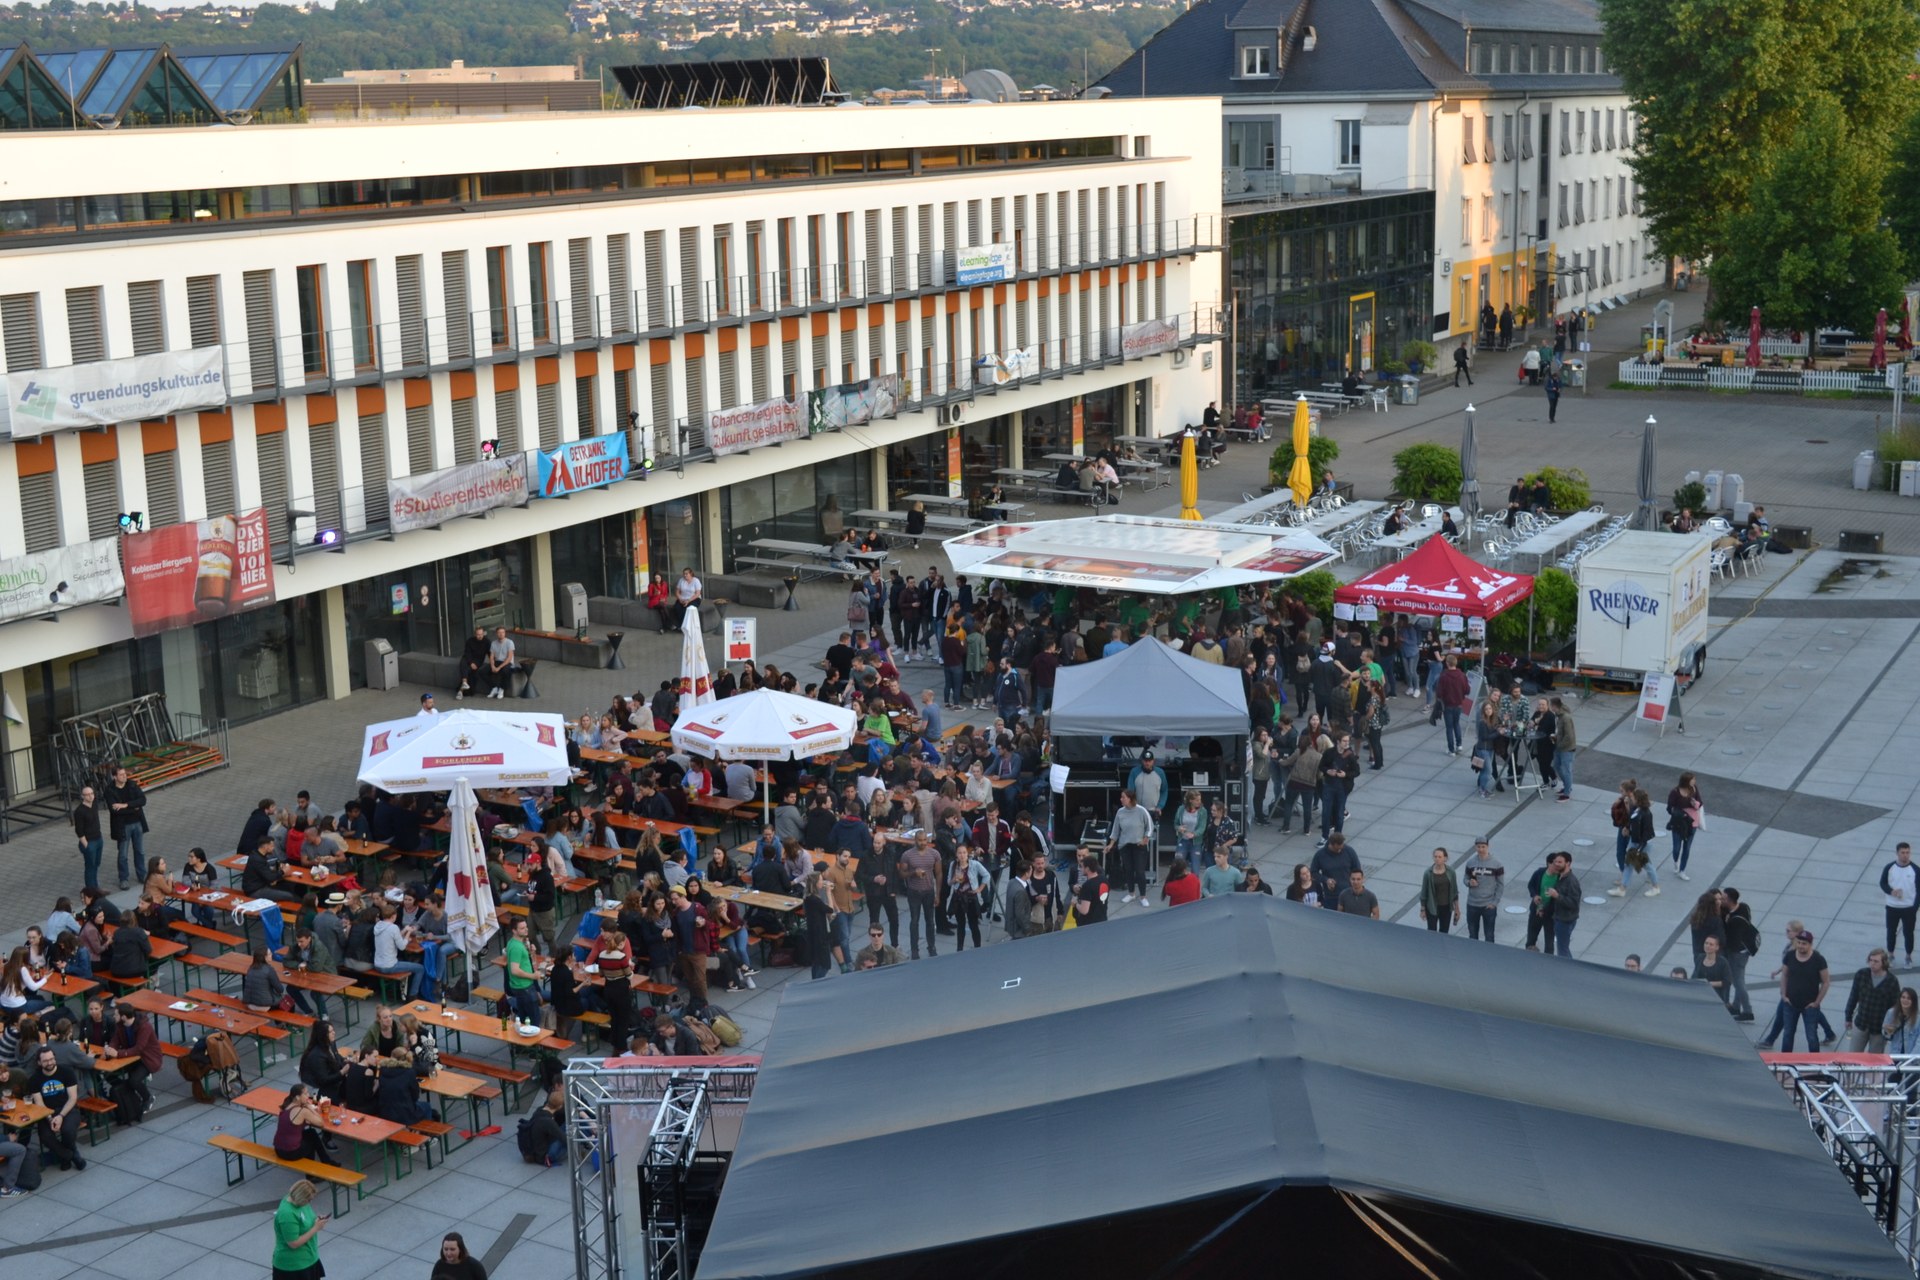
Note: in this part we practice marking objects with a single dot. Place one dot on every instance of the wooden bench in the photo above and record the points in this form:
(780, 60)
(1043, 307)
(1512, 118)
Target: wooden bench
(1682, 375)
(405, 1143)
(219, 938)
(288, 1021)
(126, 985)
(390, 986)
(562, 647)
(438, 1131)
(99, 1116)
(238, 1151)
(512, 1078)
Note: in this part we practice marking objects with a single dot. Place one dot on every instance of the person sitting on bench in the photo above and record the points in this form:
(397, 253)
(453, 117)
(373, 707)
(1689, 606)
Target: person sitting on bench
(260, 878)
(1350, 385)
(500, 663)
(473, 661)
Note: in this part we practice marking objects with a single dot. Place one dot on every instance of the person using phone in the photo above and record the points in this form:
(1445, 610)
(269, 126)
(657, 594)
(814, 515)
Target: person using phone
(296, 1228)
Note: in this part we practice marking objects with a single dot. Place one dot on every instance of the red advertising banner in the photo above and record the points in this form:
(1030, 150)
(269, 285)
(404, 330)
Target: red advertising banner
(197, 571)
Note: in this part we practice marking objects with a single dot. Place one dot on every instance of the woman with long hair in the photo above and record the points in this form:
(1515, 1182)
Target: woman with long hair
(1685, 812)
(323, 1067)
(301, 1133)
(456, 1262)
(19, 989)
(1639, 838)
(1706, 920)
(1300, 889)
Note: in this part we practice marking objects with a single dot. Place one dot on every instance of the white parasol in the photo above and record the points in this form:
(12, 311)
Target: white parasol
(471, 918)
(764, 725)
(696, 680)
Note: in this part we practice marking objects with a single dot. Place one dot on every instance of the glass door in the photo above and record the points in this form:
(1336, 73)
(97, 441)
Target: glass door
(1360, 330)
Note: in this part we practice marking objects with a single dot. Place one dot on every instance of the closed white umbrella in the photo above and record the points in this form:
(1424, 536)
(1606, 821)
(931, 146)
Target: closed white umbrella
(471, 915)
(696, 680)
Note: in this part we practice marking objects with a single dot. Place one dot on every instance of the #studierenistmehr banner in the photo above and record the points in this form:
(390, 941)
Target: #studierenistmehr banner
(103, 393)
(425, 501)
(198, 571)
(1148, 338)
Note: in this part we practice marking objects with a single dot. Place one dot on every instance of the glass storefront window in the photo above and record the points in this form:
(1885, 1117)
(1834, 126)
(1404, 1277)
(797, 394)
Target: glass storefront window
(673, 538)
(1103, 416)
(598, 555)
(916, 466)
(1320, 289)
(793, 505)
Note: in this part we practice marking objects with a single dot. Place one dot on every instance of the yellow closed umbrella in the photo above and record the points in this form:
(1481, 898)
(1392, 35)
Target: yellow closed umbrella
(1300, 479)
(1189, 480)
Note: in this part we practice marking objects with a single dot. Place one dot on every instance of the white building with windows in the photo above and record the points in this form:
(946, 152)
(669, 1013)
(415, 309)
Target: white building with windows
(1508, 114)
(394, 300)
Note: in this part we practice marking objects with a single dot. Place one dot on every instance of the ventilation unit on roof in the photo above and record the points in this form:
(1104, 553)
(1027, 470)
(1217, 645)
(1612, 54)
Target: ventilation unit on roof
(1309, 40)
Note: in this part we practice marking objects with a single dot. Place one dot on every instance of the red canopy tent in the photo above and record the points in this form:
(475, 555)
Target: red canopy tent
(1438, 580)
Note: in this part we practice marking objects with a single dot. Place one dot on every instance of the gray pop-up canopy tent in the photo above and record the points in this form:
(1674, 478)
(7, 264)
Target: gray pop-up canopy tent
(1415, 1104)
(1149, 694)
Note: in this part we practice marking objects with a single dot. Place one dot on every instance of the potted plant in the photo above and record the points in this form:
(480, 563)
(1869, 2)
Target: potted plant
(1420, 354)
(1391, 369)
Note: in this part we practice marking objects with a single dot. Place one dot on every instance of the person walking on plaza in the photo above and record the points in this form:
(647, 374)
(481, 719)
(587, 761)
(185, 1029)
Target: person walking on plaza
(1686, 813)
(1460, 366)
(1338, 768)
(1332, 864)
(1564, 895)
(1638, 856)
(296, 1228)
(1358, 900)
(1900, 882)
(1127, 842)
(86, 827)
(1455, 693)
(1440, 895)
(1553, 393)
(1486, 882)
(1565, 743)
(1873, 996)
(919, 869)
(1743, 943)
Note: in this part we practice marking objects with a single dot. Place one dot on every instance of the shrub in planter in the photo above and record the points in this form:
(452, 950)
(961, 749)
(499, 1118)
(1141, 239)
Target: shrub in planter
(1568, 485)
(1427, 473)
(1315, 590)
(1690, 497)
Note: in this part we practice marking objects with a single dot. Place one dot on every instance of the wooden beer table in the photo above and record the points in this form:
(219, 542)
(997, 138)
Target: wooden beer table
(359, 1128)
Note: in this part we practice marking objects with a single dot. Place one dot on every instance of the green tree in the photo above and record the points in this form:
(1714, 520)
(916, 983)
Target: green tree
(1808, 248)
(1427, 473)
(1903, 194)
(1720, 89)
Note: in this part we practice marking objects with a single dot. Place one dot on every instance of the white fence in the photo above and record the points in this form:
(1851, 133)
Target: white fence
(1638, 373)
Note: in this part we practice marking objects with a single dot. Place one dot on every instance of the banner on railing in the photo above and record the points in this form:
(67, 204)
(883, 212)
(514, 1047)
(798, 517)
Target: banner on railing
(426, 501)
(1010, 366)
(102, 393)
(852, 403)
(198, 571)
(751, 425)
(1148, 338)
(46, 582)
(580, 465)
(983, 264)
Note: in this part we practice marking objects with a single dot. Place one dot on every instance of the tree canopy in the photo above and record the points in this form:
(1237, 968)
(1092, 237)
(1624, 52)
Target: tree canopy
(1724, 93)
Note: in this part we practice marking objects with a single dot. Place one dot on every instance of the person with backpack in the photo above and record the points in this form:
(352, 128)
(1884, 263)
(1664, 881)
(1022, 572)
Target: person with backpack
(1743, 943)
(132, 1036)
(542, 1136)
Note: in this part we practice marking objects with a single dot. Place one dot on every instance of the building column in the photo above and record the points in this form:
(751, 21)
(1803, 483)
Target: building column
(545, 610)
(335, 675)
(1017, 445)
(880, 498)
(13, 684)
(707, 511)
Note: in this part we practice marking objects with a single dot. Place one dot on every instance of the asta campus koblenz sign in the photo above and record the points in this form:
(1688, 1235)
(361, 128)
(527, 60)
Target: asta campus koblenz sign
(585, 464)
(103, 393)
(430, 500)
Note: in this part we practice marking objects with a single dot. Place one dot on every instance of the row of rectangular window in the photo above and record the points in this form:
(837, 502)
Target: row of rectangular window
(522, 309)
(1520, 142)
(1493, 57)
(136, 211)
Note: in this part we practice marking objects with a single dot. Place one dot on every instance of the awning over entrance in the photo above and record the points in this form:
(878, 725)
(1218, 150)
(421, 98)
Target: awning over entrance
(1144, 554)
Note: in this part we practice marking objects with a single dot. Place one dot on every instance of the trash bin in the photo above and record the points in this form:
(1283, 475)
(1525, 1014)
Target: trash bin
(1409, 390)
(1863, 463)
(383, 665)
(1576, 373)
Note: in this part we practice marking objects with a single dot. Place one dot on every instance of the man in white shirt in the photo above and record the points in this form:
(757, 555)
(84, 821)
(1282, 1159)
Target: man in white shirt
(426, 705)
(500, 663)
(1899, 881)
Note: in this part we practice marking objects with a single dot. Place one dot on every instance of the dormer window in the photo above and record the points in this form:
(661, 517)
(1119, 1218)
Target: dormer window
(1256, 60)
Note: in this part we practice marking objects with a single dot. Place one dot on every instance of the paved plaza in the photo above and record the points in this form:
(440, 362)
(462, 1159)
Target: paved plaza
(1803, 735)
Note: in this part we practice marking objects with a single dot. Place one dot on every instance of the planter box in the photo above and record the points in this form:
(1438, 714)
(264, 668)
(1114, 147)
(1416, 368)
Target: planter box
(1797, 536)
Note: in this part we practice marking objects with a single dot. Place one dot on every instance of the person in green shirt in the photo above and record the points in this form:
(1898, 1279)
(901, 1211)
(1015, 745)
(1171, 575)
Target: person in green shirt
(1540, 916)
(296, 1228)
(523, 980)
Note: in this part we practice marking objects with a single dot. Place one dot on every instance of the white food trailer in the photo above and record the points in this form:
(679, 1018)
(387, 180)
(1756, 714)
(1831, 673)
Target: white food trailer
(1643, 607)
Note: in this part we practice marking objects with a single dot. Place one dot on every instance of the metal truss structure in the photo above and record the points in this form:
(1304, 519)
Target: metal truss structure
(1867, 1118)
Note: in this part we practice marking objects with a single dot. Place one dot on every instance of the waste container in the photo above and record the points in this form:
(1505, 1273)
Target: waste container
(1409, 390)
(1576, 373)
(1733, 490)
(383, 665)
(1863, 463)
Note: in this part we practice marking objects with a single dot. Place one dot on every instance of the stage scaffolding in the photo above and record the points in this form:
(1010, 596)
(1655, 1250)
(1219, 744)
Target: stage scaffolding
(1863, 1115)
(638, 1136)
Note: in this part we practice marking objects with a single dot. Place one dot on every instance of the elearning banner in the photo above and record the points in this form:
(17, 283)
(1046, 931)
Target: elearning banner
(426, 501)
(101, 393)
(749, 426)
(48, 581)
(852, 403)
(198, 571)
(983, 264)
(1148, 338)
(583, 464)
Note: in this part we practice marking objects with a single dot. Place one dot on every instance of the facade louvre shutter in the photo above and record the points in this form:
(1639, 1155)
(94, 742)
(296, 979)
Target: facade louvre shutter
(216, 465)
(40, 511)
(455, 292)
(657, 280)
(86, 331)
(102, 481)
(546, 399)
(373, 466)
(419, 439)
(271, 448)
(692, 307)
(586, 420)
(466, 432)
(413, 311)
(323, 448)
(263, 345)
(163, 488)
(506, 423)
(145, 312)
(203, 311)
(620, 283)
(580, 282)
(729, 379)
(20, 331)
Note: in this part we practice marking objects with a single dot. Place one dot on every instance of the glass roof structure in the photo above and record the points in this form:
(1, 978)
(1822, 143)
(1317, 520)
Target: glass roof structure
(145, 85)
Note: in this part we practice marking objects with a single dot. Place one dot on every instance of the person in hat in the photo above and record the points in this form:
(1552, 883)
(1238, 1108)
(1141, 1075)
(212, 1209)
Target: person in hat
(1148, 782)
(330, 929)
(426, 705)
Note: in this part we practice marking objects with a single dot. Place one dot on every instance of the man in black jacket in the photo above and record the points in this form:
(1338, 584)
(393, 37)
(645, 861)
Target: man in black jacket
(258, 823)
(127, 819)
(260, 878)
(130, 952)
(86, 828)
(473, 662)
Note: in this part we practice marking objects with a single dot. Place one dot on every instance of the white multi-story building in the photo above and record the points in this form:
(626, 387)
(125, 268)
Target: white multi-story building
(391, 300)
(1509, 115)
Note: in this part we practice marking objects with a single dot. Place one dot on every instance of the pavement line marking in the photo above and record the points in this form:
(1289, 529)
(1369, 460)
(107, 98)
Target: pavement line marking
(496, 1257)
(1492, 831)
(192, 1219)
(1813, 759)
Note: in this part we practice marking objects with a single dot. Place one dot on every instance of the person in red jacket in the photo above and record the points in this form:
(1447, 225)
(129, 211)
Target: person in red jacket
(1453, 691)
(1181, 886)
(659, 598)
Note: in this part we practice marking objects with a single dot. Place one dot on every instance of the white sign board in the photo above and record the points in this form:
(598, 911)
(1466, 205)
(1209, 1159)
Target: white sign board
(1477, 628)
(1453, 622)
(1656, 698)
(103, 393)
(983, 264)
(742, 639)
(48, 581)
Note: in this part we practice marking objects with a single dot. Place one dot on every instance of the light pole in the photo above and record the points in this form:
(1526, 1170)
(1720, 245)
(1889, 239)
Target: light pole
(1470, 478)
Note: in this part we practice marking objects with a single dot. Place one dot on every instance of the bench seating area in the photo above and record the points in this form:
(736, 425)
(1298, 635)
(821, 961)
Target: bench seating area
(511, 1078)
(238, 1151)
(561, 647)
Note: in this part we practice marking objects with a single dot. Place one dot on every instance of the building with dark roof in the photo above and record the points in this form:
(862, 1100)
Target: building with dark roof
(1507, 120)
